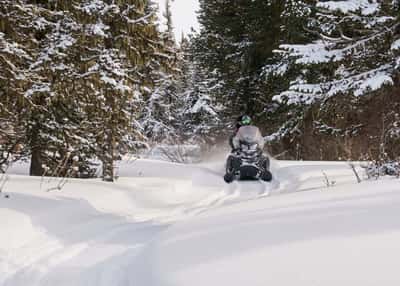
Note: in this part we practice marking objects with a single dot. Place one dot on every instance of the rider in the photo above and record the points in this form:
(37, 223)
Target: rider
(242, 120)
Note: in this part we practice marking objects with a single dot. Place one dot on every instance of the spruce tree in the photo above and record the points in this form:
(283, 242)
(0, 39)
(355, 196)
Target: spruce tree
(53, 118)
(336, 77)
(76, 80)
(236, 44)
(16, 47)
(160, 117)
(201, 121)
(116, 51)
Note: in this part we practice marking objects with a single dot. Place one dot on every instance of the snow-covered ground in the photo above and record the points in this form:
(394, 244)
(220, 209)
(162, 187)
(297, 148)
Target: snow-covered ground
(164, 224)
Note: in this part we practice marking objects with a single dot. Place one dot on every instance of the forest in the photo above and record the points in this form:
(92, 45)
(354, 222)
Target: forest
(87, 81)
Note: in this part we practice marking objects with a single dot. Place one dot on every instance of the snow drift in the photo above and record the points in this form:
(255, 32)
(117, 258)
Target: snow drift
(171, 224)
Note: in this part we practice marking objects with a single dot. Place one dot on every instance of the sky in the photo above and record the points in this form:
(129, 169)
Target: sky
(183, 15)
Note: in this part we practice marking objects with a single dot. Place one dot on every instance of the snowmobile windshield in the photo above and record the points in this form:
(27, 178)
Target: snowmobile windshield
(250, 134)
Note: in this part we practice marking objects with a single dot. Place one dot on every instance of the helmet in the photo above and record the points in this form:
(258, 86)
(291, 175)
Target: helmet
(245, 120)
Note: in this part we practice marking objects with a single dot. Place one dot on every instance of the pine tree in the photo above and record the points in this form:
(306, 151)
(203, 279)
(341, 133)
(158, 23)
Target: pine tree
(295, 20)
(160, 116)
(331, 78)
(15, 57)
(355, 44)
(236, 44)
(118, 50)
(45, 114)
(53, 118)
(201, 121)
(221, 45)
(77, 80)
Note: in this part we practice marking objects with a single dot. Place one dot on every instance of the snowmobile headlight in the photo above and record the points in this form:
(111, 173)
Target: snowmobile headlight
(250, 147)
(253, 146)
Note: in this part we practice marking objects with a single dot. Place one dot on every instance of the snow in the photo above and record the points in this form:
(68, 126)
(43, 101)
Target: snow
(99, 29)
(318, 52)
(202, 104)
(367, 7)
(374, 83)
(63, 42)
(300, 93)
(12, 48)
(38, 88)
(310, 237)
(277, 69)
(184, 153)
(92, 6)
(395, 45)
(40, 23)
(361, 84)
(322, 51)
(118, 85)
(172, 224)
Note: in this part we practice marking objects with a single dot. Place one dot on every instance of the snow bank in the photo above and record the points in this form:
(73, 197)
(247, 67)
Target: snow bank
(316, 236)
(87, 233)
(172, 224)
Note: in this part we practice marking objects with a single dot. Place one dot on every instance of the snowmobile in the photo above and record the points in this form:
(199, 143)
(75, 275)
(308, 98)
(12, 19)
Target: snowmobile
(247, 161)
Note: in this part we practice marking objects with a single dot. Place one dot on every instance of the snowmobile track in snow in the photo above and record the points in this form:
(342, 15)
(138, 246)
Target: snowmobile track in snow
(89, 232)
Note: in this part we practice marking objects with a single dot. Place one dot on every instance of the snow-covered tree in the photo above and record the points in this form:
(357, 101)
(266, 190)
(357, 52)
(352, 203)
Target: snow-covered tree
(46, 115)
(355, 51)
(77, 75)
(351, 56)
(117, 49)
(201, 115)
(236, 43)
(160, 114)
(15, 57)
(53, 119)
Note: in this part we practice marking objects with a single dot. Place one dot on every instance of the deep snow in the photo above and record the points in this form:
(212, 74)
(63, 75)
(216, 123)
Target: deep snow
(171, 224)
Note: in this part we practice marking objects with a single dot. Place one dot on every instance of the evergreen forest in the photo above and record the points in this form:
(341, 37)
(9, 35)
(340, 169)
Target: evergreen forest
(87, 81)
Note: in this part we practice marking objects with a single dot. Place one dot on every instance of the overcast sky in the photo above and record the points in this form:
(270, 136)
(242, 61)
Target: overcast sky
(183, 15)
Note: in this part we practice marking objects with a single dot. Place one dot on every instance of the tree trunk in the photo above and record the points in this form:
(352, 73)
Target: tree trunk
(108, 170)
(36, 168)
(108, 160)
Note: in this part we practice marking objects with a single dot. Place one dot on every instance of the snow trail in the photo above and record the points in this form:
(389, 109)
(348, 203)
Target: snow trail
(90, 231)
(96, 233)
